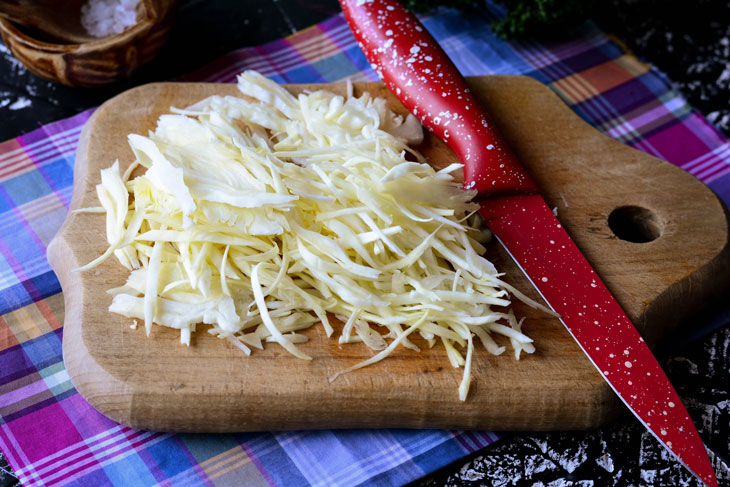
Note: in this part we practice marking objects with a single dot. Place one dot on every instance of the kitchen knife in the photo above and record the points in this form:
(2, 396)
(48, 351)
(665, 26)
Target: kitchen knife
(423, 78)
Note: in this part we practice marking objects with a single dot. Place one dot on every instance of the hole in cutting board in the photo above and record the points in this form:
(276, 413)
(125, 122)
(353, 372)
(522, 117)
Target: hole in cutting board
(634, 224)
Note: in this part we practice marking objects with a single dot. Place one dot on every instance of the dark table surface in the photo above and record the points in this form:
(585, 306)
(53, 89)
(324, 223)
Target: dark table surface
(692, 47)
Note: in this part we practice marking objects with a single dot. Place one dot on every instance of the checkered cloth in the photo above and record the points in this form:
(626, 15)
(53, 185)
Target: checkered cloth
(51, 436)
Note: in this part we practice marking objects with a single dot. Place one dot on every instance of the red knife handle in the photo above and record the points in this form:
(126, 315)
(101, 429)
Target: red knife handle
(420, 74)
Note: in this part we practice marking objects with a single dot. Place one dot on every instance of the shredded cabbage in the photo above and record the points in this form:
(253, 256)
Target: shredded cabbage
(266, 214)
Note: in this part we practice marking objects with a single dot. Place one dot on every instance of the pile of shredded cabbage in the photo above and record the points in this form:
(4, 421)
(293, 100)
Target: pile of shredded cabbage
(262, 215)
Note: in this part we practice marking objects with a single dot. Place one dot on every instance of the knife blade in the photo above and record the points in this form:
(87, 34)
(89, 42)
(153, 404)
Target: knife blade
(423, 78)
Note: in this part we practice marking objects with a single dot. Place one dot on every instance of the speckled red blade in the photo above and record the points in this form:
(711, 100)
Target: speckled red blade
(532, 235)
(423, 78)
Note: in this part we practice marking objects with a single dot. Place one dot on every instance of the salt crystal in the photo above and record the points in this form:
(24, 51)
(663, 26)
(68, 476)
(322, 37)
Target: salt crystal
(102, 18)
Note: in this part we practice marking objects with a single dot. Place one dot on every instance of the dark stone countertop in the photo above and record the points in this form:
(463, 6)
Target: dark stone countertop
(689, 43)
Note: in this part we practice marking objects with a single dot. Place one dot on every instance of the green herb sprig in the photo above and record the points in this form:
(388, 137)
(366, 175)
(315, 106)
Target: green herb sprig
(533, 18)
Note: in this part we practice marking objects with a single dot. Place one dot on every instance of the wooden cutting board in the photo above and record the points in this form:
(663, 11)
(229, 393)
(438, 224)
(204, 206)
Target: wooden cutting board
(606, 195)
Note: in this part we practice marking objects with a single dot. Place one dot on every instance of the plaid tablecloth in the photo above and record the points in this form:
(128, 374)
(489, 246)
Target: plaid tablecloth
(51, 436)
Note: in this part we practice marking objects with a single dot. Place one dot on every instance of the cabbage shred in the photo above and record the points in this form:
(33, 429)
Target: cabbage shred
(265, 214)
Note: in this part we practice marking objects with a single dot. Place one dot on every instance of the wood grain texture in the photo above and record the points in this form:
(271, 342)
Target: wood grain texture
(156, 383)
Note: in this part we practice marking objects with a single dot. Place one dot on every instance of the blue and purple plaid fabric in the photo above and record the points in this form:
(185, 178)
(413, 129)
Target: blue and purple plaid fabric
(51, 436)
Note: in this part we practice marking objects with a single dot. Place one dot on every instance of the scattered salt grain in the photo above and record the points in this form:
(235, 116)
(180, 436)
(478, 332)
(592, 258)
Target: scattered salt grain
(102, 18)
(20, 103)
